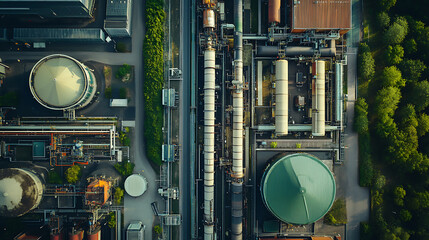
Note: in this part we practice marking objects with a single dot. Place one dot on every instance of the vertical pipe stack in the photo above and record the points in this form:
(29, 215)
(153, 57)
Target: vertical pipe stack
(282, 97)
(339, 92)
(209, 141)
(237, 131)
(318, 102)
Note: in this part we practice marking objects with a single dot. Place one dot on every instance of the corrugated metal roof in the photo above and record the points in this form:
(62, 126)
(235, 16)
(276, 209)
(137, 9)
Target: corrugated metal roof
(58, 34)
(298, 189)
(321, 14)
(116, 8)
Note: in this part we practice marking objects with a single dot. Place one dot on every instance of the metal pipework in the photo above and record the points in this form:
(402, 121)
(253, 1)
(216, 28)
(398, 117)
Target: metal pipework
(209, 141)
(318, 101)
(237, 211)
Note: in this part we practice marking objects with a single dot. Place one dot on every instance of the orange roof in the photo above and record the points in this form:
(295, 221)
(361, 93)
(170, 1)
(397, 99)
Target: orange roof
(321, 14)
(97, 192)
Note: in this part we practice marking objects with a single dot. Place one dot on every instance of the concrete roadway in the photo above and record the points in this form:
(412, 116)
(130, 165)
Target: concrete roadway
(357, 198)
(135, 208)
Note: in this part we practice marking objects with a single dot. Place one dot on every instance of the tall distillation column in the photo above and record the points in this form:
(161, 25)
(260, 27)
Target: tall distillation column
(237, 131)
(209, 139)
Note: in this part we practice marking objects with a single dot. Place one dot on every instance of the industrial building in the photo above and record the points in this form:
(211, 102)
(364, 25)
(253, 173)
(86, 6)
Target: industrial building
(60, 82)
(270, 117)
(47, 9)
(118, 18)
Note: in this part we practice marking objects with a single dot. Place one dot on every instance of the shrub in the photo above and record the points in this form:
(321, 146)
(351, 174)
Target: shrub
(108, 92)
(125, 168)
(123, 93)
(122, 71)
(394, 54)
(366, 167)
(73, 174)
(361, 116)
(273, 144)
(366, 66)
(153, 79)
(119, 193)
(338, 213)
(112, 220)
(54, 177)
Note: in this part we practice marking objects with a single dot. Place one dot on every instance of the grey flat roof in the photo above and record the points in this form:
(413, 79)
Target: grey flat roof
(44, 34)
(116, 8)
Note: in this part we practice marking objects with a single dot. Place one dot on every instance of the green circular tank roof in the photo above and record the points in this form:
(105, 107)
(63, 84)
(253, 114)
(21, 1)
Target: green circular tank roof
(298, 189)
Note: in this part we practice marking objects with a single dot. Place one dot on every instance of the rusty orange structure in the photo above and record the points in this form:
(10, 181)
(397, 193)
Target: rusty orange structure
(98, 192)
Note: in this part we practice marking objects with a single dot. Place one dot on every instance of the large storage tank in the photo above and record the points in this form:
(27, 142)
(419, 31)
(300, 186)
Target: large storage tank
(76, 235)
(208, 18)
(60, 82)
(135, 185)
(274, 11)
(318, 100)
(282, 97)
(94, 234)
(298, 189)
(57, 236)
(20, 191)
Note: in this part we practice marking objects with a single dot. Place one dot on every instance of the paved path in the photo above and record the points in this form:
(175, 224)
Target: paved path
(135, 208)
(357, 198)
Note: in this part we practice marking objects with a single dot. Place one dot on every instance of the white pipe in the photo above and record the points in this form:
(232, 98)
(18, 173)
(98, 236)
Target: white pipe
(319, 101)
(209, 141)
(282, 97)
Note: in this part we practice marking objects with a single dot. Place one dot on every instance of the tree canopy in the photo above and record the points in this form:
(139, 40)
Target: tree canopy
(73, 174)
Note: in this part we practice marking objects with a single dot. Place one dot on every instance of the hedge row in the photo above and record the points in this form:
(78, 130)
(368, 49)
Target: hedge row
(153, 53)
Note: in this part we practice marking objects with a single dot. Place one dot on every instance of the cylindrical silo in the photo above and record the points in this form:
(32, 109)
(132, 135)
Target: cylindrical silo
(76, 234)
(209, 140)
(274, 11)
(208, 18)
(282, 97)
(20, 191)
(60, 82)
(236, 211)
(94, 234)
(298, 188)
(318, 101)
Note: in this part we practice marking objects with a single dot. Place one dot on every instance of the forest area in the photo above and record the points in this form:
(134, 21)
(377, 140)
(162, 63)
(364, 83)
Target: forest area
(392, 118)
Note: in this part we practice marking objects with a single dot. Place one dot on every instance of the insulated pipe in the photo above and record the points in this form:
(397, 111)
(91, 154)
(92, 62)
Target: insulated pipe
(209, 141)
(237, 128)
(338, 92)
(318, 101)
(282, 97)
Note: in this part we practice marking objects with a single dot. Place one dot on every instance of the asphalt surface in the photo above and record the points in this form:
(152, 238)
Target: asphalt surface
(357, 198)
(184, 133)
(135, 208)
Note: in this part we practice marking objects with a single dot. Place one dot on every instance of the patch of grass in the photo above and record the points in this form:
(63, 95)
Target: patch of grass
(338, 213)
(125, 168)
(54, 177)
(108, 92)
(123, 93)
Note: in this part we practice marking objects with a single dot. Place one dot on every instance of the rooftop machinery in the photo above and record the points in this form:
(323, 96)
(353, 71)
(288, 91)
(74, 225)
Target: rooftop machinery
(209, 121)
(237, 130)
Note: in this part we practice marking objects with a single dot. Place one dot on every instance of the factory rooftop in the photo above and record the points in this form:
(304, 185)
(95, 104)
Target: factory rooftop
(321, 15)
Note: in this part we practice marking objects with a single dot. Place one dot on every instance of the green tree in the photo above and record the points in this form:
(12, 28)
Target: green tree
(391, 76)
(125, 168)
(361, 116)
(397, 233)
(395, 34)
(394, 54)
(399, 195)
(385, 5)
(366, 66)
(119, 193)
(379, 181)
(383, 19)
(387, 101)
(157, 229)
(410, 46)
(418, 95)
(423, 125)
(419, 201)
(123, 70)
(405, 215)
(407, 116)
(112, 220)
(412, 69)
(73, 174)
